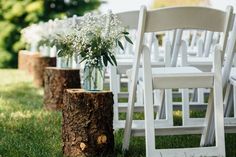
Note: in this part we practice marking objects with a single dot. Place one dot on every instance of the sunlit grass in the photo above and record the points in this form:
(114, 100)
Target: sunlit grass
(26, 129)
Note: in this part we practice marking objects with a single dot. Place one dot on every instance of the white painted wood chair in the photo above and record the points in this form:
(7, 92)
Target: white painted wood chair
(175, 77)
(228, 85)
(125, 61)
(204, 63)
(128, 19)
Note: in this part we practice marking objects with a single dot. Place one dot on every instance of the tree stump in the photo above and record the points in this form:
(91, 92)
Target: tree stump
(25, 60)
(39, 65)
(56, 80)
(22, 60)
(87, 128)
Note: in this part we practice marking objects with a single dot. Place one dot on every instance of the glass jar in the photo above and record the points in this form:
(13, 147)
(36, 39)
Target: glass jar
(93, 77)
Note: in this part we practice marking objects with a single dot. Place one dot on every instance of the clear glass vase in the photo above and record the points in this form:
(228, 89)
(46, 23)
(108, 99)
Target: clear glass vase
(93, 78)
(66, 62)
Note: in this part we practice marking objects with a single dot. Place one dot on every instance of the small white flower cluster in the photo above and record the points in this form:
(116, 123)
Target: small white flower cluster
(97, 37)
(44, 33)
(94, 37)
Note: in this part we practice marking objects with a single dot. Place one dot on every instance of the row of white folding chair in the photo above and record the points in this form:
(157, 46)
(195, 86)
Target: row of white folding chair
(185, 94)
(124, 64)
(185, 121)
(216, 78)
(201, 60)
(116, 73)
(125, 61)
(117, 76)
(229, 95)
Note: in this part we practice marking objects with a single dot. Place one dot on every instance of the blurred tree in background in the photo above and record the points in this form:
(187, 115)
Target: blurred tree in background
(17, 14)
(168, 3)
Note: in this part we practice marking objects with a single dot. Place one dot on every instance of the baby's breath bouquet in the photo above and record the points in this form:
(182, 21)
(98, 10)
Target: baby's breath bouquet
(97, 38)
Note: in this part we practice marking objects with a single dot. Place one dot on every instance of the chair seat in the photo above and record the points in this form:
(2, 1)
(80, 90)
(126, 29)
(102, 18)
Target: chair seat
(175, 70)
(178, 77)
(181, 77)
(124, 64)
(167, 70)
(200, 60)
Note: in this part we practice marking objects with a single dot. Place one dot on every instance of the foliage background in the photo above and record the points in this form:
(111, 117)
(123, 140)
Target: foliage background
(168, 3)
(17, 14)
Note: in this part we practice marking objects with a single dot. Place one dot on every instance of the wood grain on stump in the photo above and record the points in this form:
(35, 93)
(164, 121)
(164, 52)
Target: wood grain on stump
(39, 65)
(56, 80)
(25, 60)
(87, 128)
(22, 60)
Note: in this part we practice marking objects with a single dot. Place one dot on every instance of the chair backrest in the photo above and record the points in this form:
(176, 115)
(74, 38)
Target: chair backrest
(186, 18)
(200, 18)
(129, 19)
(230, 50)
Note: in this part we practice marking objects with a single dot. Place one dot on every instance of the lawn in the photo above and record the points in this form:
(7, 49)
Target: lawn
(28, 130)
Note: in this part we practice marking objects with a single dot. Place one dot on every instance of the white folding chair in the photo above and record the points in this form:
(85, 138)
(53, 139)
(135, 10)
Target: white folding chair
(125, 61)
(128, 19)
(175, 77)
(228, 89)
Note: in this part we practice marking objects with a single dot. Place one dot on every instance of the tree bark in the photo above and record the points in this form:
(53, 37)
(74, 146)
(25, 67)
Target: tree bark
(56, 80)
(39, 65)
(87, 128)
(22, 60)
(25, 60)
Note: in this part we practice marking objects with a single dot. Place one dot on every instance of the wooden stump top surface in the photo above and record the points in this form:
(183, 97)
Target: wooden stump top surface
(78, 90)
(26, 52)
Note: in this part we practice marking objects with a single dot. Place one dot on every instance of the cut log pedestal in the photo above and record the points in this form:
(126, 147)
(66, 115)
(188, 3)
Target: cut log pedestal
(22, 65)
(87, 128)
(56, 80)
(39, 65)
(25, 60)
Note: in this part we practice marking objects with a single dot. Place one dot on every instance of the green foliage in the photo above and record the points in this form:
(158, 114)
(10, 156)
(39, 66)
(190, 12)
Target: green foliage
(17, 14)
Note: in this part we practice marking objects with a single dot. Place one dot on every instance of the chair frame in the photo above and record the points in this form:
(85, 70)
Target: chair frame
(147, 21)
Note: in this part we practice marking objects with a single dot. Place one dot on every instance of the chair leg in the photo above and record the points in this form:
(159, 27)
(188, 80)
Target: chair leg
(128, 126)
(114, 89)
(157, 102)
(200, 95)
(194, 97)
(229, 98)
(148, 105)
(169, 107)
(234, 93)
(208, 122)
(185, 106)
(149, 123)
(219, 115)
(162, 105)
(215, 112)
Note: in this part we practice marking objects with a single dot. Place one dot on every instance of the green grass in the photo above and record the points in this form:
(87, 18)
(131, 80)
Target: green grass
(27, 130)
